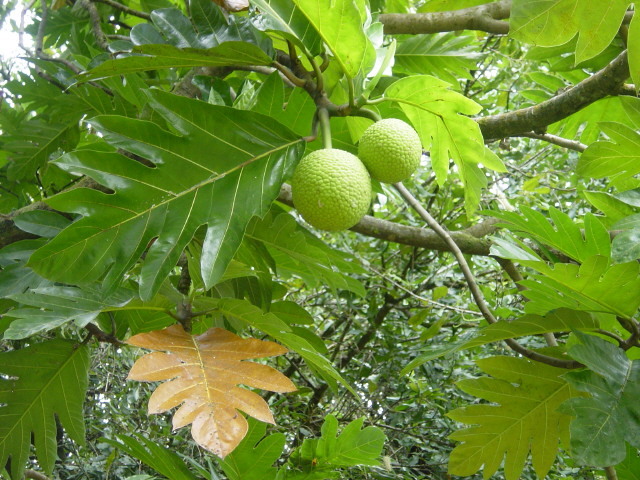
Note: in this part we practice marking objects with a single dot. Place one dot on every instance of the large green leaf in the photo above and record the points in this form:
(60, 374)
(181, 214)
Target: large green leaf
(339, 23)
(319, 458)
(554, 22)
(525, 419)
(38, 384)
(153, 57)
(619, 157)
(446, 56)
(561, 320)
(54, 306)
(297, 252)
(610, 415)
(594, 286)
(254, 457)
(223, 168)
(284, 18)
(161, 459)
(564, 235)
(438, 115)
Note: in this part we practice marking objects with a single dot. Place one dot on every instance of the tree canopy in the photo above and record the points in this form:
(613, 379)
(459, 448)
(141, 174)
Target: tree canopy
(481, 321)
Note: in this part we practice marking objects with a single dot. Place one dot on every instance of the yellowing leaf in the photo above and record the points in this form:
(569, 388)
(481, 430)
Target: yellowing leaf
(203, 374)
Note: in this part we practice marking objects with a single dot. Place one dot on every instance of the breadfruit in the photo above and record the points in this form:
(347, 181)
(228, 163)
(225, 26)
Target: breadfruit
(331, 189)
(391, 150)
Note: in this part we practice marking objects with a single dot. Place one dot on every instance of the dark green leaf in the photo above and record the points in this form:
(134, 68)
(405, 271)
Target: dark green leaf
(215, 156)
(154, 57)
(608, 418)
(54, 306)
(43, 223)
(297, 252)
(37, 384)
(161, 459)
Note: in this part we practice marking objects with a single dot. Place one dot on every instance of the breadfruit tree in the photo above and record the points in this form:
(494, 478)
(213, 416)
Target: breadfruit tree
(342, 238)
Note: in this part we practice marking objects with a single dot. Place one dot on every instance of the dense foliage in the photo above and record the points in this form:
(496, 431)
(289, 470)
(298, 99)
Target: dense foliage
(480, 321)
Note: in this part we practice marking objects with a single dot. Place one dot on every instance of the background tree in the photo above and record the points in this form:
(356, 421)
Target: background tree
(480, 321)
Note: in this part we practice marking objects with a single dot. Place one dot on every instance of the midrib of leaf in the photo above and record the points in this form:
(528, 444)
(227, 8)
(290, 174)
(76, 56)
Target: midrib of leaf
(194, 188)
(38, 398)
(518, 422)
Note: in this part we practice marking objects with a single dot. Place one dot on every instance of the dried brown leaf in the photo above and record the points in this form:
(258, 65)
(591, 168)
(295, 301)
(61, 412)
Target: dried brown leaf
(203, 374)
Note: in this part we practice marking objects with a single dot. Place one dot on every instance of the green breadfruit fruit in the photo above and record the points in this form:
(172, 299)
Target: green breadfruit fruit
(391, 150)
(331, 189)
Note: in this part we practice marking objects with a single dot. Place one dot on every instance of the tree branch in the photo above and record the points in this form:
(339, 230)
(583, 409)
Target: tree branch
(35, 475)
(96, 28)
(94, 331)
(561, 142)
(487, 18)
(473, 286)
(607, 81)
(467, 240)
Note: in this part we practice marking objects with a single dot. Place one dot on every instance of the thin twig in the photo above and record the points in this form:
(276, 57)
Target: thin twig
(94, 331)
(473, 286)
(125, 9)
(561, 142)
(95, 20)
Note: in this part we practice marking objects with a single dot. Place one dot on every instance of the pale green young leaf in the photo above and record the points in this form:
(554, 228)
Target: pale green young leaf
(563, 235)
(284, 18)
(319, 458)
(154, 57)
(219, 153)
(254, 457)
(618, 157)
(338, 22)
(439, 116)
(594, 286)
(608, 418)
(614, 209)
(522, 418)
(555, 22)
(445, 56)
(53, 306)
(161, 459)
(560, 320)
(42, 223)
(37, 384)
(633, 43)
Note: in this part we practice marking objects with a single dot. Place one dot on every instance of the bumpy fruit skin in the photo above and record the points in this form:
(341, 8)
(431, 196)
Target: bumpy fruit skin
(331, 189)
(391, 150)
